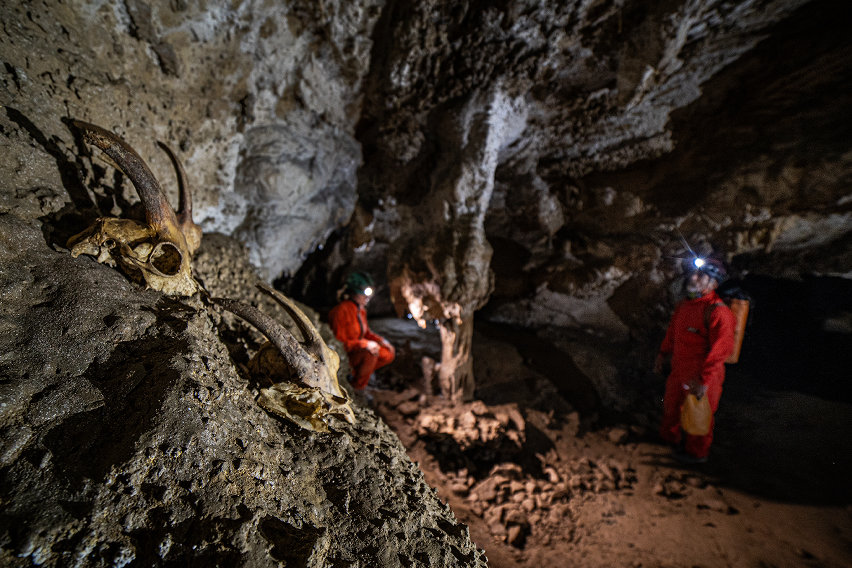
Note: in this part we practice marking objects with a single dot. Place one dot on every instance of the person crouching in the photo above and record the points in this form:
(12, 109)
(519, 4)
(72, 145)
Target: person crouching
(367, 351)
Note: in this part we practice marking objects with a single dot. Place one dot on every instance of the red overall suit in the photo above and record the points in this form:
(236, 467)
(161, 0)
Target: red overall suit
(349, 323)
(698, 353)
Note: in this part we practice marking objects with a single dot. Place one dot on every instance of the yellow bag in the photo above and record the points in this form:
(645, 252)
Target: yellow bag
(695, 415)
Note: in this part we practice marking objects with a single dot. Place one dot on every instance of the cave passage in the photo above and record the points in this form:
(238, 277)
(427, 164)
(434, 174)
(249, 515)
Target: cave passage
(798, 335)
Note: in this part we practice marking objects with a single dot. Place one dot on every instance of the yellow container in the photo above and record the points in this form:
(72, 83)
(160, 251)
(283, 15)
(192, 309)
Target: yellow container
(695, 415)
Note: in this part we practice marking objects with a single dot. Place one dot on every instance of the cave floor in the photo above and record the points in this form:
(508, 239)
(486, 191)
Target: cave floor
(775, 492)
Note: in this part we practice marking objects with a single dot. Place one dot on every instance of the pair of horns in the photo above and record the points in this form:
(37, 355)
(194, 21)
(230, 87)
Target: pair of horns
(305, 357)
(158, 213)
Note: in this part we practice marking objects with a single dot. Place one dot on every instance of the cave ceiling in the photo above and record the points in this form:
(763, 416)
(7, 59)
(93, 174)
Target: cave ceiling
(511, 154)
(623, 127)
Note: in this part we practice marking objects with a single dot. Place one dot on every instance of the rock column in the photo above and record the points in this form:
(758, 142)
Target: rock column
(442, 273)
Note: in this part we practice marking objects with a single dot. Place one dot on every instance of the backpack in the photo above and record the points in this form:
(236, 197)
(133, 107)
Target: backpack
(738, 301)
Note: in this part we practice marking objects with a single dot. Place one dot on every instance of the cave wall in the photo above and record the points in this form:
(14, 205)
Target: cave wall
(634, 128)
(129, 428)
(617, 115)
(259, 99)
(758, 171)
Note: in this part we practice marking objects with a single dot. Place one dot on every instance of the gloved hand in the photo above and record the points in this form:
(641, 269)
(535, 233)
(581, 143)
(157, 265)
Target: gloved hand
(696, 387)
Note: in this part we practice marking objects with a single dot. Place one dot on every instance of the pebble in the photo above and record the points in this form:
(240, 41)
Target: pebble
(618, 435)
(515, 535)
(409, 408)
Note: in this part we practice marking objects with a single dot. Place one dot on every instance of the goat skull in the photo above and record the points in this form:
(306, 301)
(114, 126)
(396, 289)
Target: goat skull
(286, 362)
(160, 251)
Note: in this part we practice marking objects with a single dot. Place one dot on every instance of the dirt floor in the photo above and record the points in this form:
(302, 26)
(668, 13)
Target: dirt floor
(549, 489)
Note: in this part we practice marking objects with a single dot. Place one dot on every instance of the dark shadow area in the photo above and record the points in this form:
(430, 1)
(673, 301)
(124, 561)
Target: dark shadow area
(799, 336)
(76, 175)
(68, 170)
(291, 545)
(786, 446)
(544, 358)
(316, 285)
(313, 284)
(189, 540)
(57, 228)
(134, 383)
(479, 460)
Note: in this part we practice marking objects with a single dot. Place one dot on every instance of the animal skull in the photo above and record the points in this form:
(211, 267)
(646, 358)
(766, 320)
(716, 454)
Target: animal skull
(304, 375)
(158, 252)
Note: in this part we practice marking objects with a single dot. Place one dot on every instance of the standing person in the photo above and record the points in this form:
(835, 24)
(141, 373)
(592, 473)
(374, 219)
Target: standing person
(699, 338)
(367, 351)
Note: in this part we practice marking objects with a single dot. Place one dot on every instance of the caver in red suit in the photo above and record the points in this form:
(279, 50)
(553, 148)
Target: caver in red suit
(349, 322)
(698, 353)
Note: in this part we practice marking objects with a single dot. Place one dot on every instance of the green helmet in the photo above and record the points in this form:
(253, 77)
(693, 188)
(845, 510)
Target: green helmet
(360, 283)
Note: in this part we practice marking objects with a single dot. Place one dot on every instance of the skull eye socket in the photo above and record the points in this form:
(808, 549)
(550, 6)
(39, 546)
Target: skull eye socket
(166, 259)
(109, 243)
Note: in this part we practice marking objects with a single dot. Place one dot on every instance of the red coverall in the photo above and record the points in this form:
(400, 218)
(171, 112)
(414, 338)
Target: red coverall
(349, 323)
(699, 354)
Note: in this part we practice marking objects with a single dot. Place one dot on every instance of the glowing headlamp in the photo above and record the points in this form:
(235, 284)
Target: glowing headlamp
(368, 291)
(698, 262)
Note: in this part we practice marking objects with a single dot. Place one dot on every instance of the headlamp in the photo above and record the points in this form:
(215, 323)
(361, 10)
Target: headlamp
(698, 262)
(368, 291)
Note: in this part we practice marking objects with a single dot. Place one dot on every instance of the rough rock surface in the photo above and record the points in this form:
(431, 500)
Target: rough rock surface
(130, 436)
(631, 128)
(260, 99)
(541, 164)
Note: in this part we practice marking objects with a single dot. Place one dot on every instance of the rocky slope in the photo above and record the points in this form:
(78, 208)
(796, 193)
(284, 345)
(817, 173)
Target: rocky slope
(131, 435)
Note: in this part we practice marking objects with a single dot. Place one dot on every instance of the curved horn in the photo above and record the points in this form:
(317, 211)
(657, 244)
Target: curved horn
(313, 340)
(158, 212)
(277, 334)
(190, 230)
